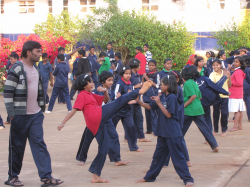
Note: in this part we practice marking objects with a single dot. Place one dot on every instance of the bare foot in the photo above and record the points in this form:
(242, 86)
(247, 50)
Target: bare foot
(145, 87)
(214, 133)
(141, 181)
(189, 184)
(223, 134)
(232, 120)
(125, 140)
(6, 123)
(189, 164)
(206, 143)
(81, 163)
(144, 140)
(97, 179)
(240, 128)
(120, 163)
(216, 149)
(233, 129)
(139, 150)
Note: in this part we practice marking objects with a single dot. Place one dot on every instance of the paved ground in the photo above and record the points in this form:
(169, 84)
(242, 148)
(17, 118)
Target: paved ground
(229, 167)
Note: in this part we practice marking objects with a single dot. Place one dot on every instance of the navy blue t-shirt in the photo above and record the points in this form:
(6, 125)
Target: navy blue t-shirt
(163, 74)
(110, 92)
(152, 91)
(61, 72)
(45, 70)
(167, 127)
(135, 79)
(180, 101)
(123, 88)
(111, 55)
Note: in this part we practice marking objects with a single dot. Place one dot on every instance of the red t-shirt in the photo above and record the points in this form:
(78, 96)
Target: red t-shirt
(143, 61)
(90, 104)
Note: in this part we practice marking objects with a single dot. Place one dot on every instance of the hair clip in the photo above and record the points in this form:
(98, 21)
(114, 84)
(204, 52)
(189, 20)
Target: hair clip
(85, 76)
(123, 68)
(168, 77)
(135, 62)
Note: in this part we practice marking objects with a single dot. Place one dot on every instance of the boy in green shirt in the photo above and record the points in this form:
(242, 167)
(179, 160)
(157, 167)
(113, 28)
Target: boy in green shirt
(105, 62)
(193, 109)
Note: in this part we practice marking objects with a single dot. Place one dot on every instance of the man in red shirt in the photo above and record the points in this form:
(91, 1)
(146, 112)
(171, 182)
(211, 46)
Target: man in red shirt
(140, 56)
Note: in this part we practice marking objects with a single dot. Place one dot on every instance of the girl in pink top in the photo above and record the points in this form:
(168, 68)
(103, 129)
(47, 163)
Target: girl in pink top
(236, 103)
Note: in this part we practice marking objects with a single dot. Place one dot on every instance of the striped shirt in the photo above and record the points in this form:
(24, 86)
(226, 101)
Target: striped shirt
(16, 91)
(148, 56)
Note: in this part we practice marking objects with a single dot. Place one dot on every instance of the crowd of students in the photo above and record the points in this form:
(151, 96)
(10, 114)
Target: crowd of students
(109, 91)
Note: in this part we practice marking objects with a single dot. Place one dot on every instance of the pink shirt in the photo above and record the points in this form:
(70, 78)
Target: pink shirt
(236, 89)
(32, 91)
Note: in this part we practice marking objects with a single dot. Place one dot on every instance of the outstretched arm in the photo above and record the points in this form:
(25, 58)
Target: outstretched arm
(144, 105)
(70, 115)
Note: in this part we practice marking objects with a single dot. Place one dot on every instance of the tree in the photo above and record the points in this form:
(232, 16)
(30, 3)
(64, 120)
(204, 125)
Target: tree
(234, 35)
(127, 30)
(65, 25)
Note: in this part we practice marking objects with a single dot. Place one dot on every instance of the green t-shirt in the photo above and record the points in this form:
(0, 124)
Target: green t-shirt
(105, 65)
(195, 108)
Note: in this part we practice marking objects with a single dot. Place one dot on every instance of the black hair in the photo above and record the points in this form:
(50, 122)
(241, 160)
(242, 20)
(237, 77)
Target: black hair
(29, 46)
(15, 56)
(139, 48)
(242, 62)
(176, 74)
(237, 52)
(221, 52)
(134, 63)
(167, 59)
(217, 60)
(82, 52)
(212, 54)
(61, 57)
(61, 49)
(124, 68)
(152, 61)
(110, 43)
(81, 82)
(247, 60)
(195, 72)
(248, 49)
(104, 76)
(44, 55)
(118, 55)
(146, 45)
(13, 52)
(197, 60)
(189, 72)
(171, 82)
(102, 54)
(92, 47)
(232, 53)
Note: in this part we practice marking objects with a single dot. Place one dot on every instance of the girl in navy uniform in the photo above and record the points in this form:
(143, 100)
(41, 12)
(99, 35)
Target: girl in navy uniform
(180, 103)
(193, 109)
(136, 108)
(106, 81)
(124, 86)
(169, 133)
(167, 68)
(151, 115)
(199, 63)
(96, 116)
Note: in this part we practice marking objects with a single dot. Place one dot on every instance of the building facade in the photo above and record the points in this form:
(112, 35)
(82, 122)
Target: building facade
(201, 16)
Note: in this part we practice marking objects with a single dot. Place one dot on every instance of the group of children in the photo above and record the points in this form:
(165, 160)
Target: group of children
(172, 101)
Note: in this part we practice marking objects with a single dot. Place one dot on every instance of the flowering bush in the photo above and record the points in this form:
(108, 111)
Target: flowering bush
(50, 46)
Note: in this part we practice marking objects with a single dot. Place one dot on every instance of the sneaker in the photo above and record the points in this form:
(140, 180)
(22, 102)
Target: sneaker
(2, 128)
(47, 112)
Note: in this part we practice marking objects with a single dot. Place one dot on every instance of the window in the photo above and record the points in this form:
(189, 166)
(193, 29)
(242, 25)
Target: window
(245, 4)
(2, 5)
(180, 4)
(26, 7)
(222, 4)
(87, 5)
(150, 5)
(50, 6)
(65, 4)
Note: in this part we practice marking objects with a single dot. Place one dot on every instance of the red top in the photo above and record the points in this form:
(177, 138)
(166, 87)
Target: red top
(143, 61)
(90, 104)
(236, 89)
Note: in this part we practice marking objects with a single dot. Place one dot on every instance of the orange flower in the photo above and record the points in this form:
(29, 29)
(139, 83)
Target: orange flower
(225, 43)
(174, 64)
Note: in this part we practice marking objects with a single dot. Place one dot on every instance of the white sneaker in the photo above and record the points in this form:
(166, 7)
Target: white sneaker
(47, 112)
(2, 128)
